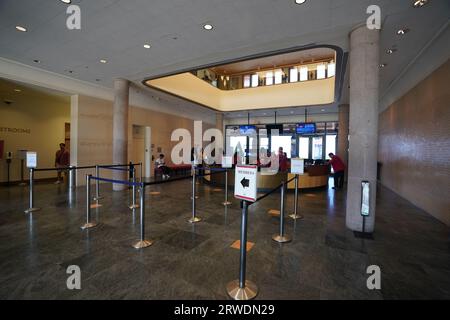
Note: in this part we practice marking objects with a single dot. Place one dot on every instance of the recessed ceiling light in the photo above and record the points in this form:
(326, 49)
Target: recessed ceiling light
(208, 26)
(67, 1)
(146, 46)
(419, 3)
(21, 29)
(402, 31)
(300, 1)
(17, 90)
(382, 65)
(390, 51)
(103, 61)
(36, 61)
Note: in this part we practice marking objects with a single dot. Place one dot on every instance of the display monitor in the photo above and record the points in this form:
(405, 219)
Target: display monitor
(306, 128)
(247, 130)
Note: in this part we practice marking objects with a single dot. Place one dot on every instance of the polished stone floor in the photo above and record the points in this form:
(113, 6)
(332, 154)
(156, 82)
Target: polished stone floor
(324, 260)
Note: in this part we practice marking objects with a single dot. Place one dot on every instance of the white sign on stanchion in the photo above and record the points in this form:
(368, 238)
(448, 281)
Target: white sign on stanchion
(245, 183)
(297, 166)
(31, 159)
(227, 162)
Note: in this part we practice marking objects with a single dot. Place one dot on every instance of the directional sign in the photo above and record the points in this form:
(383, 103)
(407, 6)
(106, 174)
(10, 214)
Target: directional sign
(245, 183)
(297, 166)
(31, 159)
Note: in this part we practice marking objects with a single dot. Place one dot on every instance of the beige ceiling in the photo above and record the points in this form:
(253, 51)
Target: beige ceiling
(297, 57)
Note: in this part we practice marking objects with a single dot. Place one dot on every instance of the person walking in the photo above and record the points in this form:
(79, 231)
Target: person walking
(62, 160)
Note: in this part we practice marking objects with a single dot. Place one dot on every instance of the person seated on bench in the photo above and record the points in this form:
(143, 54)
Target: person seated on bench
(161, 166)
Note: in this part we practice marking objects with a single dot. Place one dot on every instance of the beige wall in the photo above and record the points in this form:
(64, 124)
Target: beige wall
(93, 123)
(43, 114)
(414, 145)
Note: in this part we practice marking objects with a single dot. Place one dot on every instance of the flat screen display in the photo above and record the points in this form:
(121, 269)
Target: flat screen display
(247, 130)
(306, 128)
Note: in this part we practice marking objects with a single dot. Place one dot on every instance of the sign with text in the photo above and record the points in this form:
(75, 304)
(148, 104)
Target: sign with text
(31, 159)
(297, 166)
(227, 162)
(245, 183)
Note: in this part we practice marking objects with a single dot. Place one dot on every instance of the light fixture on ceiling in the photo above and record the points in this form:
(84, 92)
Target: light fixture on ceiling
(382, 65)
(36, 61)
(147, 46)
(419, 3)
(21, 29)
(300, 1)
(403, 31)
(208, 27)
(17, 90)
(390, 51)
(66, 1)
(103, 61)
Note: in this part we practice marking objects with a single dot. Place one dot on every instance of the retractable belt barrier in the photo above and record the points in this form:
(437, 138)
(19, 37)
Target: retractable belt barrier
(72, 170)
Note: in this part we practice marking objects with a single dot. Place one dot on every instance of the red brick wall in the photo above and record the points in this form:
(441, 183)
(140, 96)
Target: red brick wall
(414, 145)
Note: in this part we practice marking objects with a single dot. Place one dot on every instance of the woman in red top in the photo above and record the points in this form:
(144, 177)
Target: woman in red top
(339, 170)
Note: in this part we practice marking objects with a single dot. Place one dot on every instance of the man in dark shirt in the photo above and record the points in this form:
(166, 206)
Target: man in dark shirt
(339, 170)
(62, 160)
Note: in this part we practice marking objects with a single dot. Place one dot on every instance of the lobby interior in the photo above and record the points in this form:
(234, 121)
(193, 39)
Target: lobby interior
(137, 75)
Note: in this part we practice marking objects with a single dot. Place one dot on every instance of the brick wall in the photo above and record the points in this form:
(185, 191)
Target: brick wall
(414, 145)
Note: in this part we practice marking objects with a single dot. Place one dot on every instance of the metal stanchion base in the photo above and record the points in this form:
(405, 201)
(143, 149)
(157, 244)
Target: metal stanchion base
(142, 244)
(295, 217)
(250, 291)
(96, 205)
(30, 210)
(226, 203)
(281, 239)
(133, 206)
(97, 198)
(89, 225)
(194, 220)
(196, 197)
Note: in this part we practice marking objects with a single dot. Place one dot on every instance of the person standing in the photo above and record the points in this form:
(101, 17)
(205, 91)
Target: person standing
(161, 165)
(62, 160)
(339, 170)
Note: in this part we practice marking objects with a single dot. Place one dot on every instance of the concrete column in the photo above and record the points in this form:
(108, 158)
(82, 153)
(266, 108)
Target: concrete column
(219, 126)
(120, 130)
(342, 150)
(363, 128)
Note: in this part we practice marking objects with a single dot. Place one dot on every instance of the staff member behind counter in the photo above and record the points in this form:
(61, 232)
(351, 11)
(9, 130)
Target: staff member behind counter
(339, 170)
(62, 160)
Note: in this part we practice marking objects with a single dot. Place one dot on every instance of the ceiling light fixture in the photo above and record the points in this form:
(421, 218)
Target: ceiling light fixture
(21, 29)
(17, 90)
(36, 61)
(146, 46)
(382, 65)
(390, 51)
(67, 1)
(419, 3)
(300, 1)
(103, 61)
(402, 31)
(208, 27)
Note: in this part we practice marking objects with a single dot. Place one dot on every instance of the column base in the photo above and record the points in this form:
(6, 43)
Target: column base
(89, 225)
(249, 292)
(296, 216)
(142, 244)
(194, 219)
(30, 210)
(281, 239)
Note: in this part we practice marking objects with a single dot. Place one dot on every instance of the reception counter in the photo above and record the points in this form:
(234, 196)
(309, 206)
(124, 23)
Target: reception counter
(315, 176)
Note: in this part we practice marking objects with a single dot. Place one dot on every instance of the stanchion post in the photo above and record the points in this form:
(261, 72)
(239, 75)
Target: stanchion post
(282, 238)
(226, 202)
(142, 243)
(295, 215)
(194, 218)
(32, 208)
(22, 181)
(72, 179)
(242, 289)
(97, 184)
(89, 224)
(134, 205)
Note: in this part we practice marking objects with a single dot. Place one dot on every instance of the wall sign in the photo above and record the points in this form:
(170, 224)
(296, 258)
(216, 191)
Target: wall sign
(297, 166)
(31, 159)
(245, 183)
